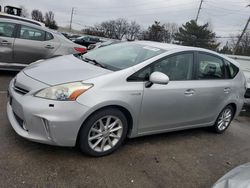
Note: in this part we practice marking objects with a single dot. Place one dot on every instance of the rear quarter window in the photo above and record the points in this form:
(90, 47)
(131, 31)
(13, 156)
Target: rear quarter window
(233, 70)
(49, 36)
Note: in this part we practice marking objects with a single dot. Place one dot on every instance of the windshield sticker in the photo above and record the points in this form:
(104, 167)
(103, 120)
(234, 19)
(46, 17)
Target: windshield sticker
(151, 48)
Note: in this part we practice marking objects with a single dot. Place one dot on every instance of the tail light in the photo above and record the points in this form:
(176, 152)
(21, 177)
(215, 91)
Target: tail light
(80, 50)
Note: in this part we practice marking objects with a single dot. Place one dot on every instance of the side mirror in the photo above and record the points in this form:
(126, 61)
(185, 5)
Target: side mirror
(157, 78)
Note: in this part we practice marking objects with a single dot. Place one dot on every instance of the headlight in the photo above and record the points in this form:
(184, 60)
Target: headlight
(64, 92)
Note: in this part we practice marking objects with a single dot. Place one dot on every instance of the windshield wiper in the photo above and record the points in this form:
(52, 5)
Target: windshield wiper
(94, 62)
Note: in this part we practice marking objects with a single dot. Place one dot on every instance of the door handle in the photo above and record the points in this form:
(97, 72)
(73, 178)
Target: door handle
(227, 90)
(189, 92)
(5, 42)
(49, 47)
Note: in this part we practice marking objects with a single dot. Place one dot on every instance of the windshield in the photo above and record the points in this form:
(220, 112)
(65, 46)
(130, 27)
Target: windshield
(123, 55)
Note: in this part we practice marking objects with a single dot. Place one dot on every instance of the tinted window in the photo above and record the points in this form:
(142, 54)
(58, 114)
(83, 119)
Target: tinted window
(30, 33)
(177, 67)
(6, 29)
(49, 36)
(123, 55)
(210, 67)
(233, 70)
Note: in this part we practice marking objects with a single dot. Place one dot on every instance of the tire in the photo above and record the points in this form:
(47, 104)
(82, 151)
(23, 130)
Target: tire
(224, 119)
(103, 132)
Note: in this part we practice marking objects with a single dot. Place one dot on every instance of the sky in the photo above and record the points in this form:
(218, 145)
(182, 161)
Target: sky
(227, 17)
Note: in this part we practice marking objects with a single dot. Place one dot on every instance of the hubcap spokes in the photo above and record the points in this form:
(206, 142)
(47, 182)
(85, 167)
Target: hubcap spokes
(105, 133)
(224, 119)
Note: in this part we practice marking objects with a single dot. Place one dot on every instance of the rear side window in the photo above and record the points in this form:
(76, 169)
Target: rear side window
(210, 67)
(49, 36)
(30, 33)
(233, 70)
(6, 29)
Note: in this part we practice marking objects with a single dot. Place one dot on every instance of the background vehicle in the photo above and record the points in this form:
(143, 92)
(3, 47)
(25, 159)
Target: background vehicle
(13, 17)
(22, 43)
(103, 44)
(244, 62)
(86, 40)
(247, 75)
(235, 178)
(127, 89)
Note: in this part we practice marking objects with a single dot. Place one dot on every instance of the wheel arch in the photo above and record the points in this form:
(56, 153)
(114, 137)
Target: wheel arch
(234, 107)
(124, 110)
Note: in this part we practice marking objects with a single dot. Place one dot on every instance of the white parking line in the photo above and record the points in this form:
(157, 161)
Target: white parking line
(3, 92)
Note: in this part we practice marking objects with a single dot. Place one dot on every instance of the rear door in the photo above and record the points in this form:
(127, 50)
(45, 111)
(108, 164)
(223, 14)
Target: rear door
(212, 87)
(7, 33)
(33, 44)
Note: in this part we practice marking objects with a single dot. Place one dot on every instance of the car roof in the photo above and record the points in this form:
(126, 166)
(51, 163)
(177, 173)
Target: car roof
(172, 47)
(18, 19)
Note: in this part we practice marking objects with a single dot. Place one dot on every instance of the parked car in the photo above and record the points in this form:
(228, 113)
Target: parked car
(86, 40)
(103, 44)
(22, 43)
(74, 37)
(247, 75)
(13, 17)
(239, 177)
(244, 62)
(124, 90)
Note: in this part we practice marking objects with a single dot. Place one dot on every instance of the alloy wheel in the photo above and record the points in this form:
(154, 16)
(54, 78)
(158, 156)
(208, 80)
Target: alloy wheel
(224, 119)
(105, 133)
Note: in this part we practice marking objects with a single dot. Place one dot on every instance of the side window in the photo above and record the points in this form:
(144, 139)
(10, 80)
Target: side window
(233, 70)
(6, 29)
(210, 67)
(49, 36)
(30, 33)
(177, 67)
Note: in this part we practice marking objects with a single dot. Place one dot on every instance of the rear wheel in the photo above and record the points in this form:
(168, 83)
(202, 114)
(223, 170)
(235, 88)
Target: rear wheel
(103, 132)
(224, 119)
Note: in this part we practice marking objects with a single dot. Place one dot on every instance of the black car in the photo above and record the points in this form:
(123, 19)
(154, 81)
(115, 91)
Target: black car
(87, 40)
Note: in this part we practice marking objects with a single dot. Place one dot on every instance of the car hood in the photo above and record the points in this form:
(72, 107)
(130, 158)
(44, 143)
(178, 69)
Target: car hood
(62, 70)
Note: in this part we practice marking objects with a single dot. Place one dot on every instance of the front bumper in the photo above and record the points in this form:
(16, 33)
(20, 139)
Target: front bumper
(45, 121)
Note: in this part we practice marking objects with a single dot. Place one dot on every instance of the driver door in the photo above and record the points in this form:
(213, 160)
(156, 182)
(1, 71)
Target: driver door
(171, 106)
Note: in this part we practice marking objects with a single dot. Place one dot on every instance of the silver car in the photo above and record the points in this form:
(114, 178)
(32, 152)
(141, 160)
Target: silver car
(124, 90)
(23, 42)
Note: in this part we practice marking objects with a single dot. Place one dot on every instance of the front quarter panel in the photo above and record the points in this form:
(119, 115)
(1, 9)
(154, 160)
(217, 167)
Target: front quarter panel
(113, 89)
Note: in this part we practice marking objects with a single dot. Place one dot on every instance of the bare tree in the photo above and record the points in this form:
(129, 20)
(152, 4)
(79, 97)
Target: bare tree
(133, 31)
(121, 28)
(108, 28)
(24, 12)
(37, 15)
(50, 21)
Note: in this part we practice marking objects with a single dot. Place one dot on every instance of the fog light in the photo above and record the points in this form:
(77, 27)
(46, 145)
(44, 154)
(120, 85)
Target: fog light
(24, 126)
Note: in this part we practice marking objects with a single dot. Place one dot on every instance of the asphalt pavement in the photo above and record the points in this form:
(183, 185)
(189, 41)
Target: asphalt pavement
(192, 158)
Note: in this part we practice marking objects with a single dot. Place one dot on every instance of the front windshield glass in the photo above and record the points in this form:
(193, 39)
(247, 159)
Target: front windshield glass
(123, 55)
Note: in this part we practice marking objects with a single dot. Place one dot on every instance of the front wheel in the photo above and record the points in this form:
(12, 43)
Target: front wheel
(103, 132)
(224, 119)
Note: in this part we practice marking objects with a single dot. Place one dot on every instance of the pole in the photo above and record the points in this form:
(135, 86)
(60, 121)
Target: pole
(71, 17)
(197, 15)
(243, 32)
